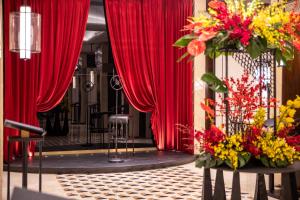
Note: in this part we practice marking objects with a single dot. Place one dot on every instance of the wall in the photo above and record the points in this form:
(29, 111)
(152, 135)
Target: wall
(199, 87)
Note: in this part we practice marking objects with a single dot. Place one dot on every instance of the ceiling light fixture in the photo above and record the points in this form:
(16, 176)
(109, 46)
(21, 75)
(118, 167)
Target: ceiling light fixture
(25, 32)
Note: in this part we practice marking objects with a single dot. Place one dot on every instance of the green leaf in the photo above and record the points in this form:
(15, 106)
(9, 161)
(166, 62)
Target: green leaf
(219, 162)
(256, 47)
(264, 161)
(202, 160)
(281, 163)
(272, 164)
(288, 54)
(228, 163)
(183, 56)
(243, 160)
(214, 83)
(213, 163)
(247, 157)
(200, 163)
(184, 40)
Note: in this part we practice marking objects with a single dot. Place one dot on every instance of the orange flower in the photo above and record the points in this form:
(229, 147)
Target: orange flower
(196, 47)
(192, 26)
(216, 5)
(208, 110)
(207, 35)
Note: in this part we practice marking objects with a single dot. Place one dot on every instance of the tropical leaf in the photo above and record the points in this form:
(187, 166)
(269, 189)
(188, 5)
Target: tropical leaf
(219, 162)
(183, 56)
(256, 47)
(264, 161)
(243, 160)
(282, 163)
(202, 160)
(228, 163)
(184, 40)
(214, 83)
(272, 164)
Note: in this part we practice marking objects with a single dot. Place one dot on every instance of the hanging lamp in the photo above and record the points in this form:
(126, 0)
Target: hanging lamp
(25, 32)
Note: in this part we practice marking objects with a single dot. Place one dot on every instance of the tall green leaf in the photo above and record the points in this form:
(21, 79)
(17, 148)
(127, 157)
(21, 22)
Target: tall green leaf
(184, 40)
(214, 83)
(256, 47)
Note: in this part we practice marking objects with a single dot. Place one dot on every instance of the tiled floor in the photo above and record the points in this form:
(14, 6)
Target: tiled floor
(169, 183)
(181, 182)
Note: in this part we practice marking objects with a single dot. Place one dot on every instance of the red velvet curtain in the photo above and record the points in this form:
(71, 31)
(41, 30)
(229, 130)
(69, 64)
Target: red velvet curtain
(142, 33)
(39, 84)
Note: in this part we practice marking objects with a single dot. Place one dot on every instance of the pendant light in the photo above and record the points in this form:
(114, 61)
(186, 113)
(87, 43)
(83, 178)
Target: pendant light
(25, 32)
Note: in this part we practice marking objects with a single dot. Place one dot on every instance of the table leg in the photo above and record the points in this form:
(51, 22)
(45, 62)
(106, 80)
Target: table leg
(288, 187)
(206, 187)
(260, 188)
(236, 186)
(271, 183)
(25, 164)
(40, 167)
(8, 170)
(219, 193)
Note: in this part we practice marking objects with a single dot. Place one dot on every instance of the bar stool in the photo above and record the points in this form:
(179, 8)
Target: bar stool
(119, 129)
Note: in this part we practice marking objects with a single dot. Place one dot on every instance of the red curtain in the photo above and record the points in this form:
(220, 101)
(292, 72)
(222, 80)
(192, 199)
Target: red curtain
(39, 84)
(142, 33)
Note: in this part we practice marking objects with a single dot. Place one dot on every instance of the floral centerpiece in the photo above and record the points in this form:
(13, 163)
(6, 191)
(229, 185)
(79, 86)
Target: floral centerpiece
(274, 147)
(251, 27)
(254, 28)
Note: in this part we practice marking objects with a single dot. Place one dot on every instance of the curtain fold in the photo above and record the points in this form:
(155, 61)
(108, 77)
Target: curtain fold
(39, 84)
(142, 33)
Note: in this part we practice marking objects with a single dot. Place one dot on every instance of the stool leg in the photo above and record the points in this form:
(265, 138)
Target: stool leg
(288, 187)
(219, 193)
(206, 188)
(8, 170)
(236, 186)
(126, 139)
(260, 188)
(40, 167)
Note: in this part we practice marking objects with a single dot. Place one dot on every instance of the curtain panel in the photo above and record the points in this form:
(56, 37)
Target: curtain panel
(39, 84)
(142, 33)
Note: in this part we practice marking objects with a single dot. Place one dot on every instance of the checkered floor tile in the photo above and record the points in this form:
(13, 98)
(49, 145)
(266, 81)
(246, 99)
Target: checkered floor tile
(174, 183)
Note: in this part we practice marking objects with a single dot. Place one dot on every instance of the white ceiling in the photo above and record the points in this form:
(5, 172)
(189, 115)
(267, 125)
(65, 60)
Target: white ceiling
(96, 15)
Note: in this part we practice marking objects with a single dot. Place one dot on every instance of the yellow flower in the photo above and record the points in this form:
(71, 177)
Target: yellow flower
(259, 117)
(291, 112)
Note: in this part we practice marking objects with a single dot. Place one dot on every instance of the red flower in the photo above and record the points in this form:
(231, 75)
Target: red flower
(209, 149)
(196, 47)
(293, 140)
(296, 43)
(253, 150)
(297, 148)
(198, 136)
(298, 27)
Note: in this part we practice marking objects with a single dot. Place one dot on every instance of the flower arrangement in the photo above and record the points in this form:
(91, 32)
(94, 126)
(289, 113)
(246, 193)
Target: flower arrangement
(251, 139)
(251, 27)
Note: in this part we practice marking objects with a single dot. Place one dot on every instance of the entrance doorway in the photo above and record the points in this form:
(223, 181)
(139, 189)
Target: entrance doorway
(80, 121)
